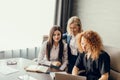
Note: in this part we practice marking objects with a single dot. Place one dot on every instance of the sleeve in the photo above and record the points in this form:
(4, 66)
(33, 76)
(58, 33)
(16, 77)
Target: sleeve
(105, 63)
(79, 61)
(42, 54)
(65, 58)
(64, 36)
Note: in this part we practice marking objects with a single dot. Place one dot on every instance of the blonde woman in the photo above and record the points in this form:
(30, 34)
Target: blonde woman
(94, 60)
(73, 28)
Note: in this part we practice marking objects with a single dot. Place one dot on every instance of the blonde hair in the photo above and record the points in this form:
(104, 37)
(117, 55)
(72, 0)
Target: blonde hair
(94, 41)
(76, 20)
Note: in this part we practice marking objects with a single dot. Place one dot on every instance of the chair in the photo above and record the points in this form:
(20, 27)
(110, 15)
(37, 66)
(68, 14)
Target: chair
(45, 37)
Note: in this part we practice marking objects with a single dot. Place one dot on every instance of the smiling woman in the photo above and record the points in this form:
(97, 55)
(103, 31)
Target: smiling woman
(23, 23)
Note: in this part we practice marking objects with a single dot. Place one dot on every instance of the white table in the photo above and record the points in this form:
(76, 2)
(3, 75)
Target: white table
(21, 64)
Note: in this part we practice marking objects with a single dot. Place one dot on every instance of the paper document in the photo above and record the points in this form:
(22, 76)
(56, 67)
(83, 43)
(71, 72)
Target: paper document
(45, 63)
(37, 68)
(7, 70)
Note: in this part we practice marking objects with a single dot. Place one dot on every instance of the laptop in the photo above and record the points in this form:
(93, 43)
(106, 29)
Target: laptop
(60, 76)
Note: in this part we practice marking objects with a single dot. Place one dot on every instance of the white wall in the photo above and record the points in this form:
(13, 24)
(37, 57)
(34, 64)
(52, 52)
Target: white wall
(24, 22)
(102, 16)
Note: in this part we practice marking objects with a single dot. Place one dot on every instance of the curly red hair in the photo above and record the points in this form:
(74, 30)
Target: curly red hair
(93, 40)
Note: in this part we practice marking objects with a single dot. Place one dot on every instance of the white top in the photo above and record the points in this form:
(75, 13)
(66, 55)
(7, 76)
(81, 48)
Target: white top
(73, 45)
(53, 55)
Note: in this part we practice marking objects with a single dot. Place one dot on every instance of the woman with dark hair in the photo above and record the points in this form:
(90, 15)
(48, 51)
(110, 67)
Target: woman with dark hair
(54, 50)
(73, 28)
(93, 59)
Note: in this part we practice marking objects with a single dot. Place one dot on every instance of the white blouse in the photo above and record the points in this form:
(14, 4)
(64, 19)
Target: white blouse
(53, 55)
(73, 45)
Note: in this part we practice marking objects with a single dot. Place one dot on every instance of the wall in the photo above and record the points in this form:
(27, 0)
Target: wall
(102, 16)
(24, 22)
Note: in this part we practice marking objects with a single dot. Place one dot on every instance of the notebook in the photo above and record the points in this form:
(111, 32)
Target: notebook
(37, 68)
(60, 76)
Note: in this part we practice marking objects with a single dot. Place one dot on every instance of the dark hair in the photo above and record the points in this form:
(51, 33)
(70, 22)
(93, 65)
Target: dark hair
(50, 43)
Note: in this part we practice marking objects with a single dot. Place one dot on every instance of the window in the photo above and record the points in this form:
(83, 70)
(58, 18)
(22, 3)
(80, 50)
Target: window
(24, 22)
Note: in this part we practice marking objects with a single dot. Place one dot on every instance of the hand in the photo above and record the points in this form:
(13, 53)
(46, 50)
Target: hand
(104, 76)
(56, 63)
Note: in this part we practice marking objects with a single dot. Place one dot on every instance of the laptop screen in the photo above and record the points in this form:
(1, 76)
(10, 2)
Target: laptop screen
(60, 76)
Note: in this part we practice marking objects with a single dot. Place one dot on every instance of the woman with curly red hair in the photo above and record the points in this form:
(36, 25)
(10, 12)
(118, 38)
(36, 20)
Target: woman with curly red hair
(94, 60)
